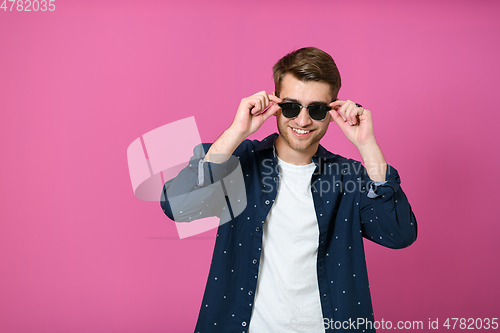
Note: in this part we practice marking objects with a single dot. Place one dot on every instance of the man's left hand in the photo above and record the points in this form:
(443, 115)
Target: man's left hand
(355, 122)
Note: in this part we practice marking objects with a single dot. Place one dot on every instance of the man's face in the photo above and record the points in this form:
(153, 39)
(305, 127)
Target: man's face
(302, 134)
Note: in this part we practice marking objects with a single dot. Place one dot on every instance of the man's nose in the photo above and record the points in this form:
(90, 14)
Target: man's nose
(303, 118)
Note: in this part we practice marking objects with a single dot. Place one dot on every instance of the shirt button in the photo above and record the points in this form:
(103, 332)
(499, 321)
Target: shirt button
(254, 261)
(275, 178)
(267, 202)
(250, 293)
(244, 324)
(257, 229)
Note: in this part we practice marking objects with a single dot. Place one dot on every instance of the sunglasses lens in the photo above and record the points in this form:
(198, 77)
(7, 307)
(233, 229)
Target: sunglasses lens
(290, 110)
(318, 112)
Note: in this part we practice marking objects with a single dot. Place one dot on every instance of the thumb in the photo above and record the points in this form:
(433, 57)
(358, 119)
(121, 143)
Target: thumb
(336, 117)
(339, 120)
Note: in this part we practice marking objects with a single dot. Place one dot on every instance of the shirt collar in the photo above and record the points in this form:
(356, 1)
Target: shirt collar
(268, 143)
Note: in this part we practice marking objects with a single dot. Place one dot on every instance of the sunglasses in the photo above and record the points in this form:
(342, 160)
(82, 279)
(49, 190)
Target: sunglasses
(291, 110)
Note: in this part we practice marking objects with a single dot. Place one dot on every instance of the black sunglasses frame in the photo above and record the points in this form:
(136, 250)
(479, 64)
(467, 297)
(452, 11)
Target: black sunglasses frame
(322, 108)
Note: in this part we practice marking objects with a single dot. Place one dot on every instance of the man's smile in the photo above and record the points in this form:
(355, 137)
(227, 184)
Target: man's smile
(300, 131)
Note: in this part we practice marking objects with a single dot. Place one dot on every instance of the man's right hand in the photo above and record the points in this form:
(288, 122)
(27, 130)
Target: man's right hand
(252, 113)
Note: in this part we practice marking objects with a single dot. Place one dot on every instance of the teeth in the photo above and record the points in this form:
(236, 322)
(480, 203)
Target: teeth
(300, 131)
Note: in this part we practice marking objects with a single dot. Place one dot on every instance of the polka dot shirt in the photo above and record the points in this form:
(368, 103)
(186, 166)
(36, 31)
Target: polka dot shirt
(349, 206)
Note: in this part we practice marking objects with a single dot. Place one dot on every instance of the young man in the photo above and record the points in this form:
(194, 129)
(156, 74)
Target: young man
(292, 259)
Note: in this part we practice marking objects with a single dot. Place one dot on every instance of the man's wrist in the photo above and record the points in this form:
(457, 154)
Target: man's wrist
(374, 161)
(222, 149)
(236, 135)
(368, 146)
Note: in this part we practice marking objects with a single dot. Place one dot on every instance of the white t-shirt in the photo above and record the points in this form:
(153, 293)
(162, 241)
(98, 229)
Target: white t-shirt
(287, 298)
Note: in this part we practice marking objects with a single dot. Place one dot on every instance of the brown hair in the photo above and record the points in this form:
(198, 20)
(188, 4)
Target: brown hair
(308, 64)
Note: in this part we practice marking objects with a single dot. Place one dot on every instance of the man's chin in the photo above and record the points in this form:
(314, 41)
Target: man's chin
(300, 145)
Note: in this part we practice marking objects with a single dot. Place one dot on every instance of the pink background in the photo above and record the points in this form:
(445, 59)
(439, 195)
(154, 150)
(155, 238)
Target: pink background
(79, 253)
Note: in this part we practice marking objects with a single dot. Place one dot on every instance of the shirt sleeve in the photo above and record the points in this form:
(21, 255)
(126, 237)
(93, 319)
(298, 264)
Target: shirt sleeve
(200, 189)
(373, 188)
(386, 214)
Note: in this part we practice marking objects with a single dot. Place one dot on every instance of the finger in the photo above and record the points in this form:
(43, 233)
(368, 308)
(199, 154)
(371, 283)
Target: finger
(255, 105)
(335, 116)
(272, 109)
(267, 108)
(270, 100)
(343, 110)
(337, 104)
(275, 99)
(264, 99)
(365, 114)
(347, 110)
(359, 113)
(263, 96)
(356, 113)
(258, 102)
(351, 113)
(338, 119)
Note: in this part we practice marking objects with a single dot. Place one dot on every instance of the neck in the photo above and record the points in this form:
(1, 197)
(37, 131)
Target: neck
(293, 156)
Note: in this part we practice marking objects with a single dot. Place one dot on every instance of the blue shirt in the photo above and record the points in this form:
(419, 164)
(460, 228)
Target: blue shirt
(349, 206)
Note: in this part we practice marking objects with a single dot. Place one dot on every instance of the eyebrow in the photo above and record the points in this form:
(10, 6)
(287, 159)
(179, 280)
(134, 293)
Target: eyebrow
(293, 100)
